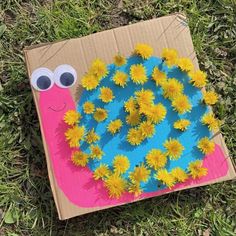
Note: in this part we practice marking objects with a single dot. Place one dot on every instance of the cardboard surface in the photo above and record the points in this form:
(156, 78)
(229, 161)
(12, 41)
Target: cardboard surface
(169, 31)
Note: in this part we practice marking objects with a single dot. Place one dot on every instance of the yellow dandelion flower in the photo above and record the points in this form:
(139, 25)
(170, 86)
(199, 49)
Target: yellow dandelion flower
(166, 178)
(179, 174)
(210, 97)
(135, 189)
(145, 108)
(147, 129)
(121, 164)
(114, 126)
(206, 146)
(89, 81)
(140, 173)
(72, 117)
(143, 50)
(156, 113)
(138, 74)
(185, 64)
(100, 114)
(198, 78)
(182, 124)
(120, 78)
(172, 88)
(101, 172)
(96, 152)
(106, 94)
(174, 148)
(119, 60)
(80, 158)
(133, 118)
(130, 105)
(134, 136)
(98, 69)
(88, 107)
(116, 185)
(196, 169)
(158, 76)
(181, 104)
(170, 56)
(92, 137)
(209, 120)
(74, 135)
(156, 159)
(144, 96)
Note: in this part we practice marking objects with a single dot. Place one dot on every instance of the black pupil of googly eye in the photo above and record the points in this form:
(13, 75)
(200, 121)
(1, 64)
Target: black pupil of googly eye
(67, 79)
(43, 82)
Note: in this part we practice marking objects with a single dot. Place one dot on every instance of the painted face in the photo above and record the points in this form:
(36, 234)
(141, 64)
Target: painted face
(55, 98)
(50, 83)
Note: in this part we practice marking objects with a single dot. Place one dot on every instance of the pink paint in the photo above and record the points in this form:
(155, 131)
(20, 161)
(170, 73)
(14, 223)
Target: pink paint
(77, 183)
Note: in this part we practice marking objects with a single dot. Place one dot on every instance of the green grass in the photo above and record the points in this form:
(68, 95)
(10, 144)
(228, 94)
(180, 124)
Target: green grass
(26, 203)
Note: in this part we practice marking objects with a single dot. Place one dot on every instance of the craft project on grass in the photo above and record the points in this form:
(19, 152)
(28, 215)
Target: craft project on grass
(135, 127)
(142, 124)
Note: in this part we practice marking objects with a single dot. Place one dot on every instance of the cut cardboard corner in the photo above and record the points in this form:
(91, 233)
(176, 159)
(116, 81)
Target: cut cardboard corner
(166, 32)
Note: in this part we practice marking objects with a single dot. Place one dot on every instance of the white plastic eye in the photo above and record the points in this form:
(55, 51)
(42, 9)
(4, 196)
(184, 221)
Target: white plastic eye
(65, 76)
(42, 79)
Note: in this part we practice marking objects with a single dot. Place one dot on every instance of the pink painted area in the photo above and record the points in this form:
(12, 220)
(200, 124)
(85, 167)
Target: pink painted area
(77, 183)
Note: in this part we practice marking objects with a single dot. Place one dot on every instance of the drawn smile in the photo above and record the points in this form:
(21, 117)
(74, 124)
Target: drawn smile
(58, 109)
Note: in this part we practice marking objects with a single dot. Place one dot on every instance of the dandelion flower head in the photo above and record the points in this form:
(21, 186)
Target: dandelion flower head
(182, 124)
(143, 50)
(206, 146)
(120, 78)
(119, 60)
(72, 117)
(121, 164)
(185, 64)
(106, 94)
(140, 174)
(134, 136)
(98, 69)
(79, 158)
(181, 104)
(100, 114)
(179, 174)
(96, 152)
(88, 107)
(156, 159)
(172, 88)
(158, 76)
(101, 172)
(138, 74)
(92, 137)
(170, 56)
(210, 97)
(166, 178)
(74, 135)
(115, 185)
(198, 78)
(174, 148)
(114, 126)
(197, 170)
(209, 120)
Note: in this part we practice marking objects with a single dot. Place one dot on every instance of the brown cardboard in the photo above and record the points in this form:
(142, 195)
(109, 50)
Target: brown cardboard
(169, 31)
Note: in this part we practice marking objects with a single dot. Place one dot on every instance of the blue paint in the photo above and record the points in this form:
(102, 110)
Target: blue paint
(117, 144)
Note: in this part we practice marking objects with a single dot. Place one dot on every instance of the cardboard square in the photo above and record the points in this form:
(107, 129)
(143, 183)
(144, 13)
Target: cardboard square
(74, 191)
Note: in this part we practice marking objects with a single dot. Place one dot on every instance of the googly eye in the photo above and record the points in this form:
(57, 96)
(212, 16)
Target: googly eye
(42, 79)
(65, 76)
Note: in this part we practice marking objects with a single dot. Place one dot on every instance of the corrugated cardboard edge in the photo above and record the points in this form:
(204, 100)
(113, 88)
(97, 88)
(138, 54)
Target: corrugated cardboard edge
(59, 197)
